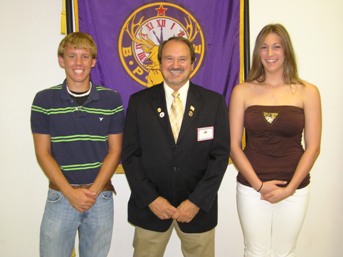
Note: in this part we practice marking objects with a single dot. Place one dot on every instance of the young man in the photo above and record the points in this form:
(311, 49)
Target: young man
(77, 130)
(175, 153)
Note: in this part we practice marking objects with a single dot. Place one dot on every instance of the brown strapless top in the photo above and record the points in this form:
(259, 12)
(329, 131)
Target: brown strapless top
(274, 141)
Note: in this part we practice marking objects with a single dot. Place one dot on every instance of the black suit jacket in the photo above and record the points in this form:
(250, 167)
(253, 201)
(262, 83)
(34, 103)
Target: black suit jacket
(190, 169)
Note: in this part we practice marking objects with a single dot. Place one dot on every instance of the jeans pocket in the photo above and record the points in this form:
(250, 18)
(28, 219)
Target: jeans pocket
(54, 196)
(107, 195)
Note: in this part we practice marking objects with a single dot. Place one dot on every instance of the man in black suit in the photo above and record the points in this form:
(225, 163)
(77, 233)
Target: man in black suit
(174, 180)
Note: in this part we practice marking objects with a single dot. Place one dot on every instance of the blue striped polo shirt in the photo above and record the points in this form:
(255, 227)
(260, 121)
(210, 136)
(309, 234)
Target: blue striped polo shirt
(79, 134)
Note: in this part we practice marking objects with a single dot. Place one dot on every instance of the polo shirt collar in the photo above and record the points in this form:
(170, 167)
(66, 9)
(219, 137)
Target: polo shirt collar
(93, 95)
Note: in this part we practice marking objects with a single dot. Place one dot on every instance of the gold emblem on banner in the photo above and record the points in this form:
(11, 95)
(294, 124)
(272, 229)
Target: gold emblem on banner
(145, 29)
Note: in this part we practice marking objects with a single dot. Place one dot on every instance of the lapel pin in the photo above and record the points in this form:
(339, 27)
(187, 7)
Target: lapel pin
(190, 114)
(161, 114)
(159, 109)
(192, 108)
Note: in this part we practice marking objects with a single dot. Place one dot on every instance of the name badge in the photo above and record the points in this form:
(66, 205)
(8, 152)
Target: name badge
(206, 133)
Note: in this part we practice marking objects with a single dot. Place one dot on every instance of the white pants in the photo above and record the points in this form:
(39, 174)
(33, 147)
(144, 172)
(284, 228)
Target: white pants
(270, 230)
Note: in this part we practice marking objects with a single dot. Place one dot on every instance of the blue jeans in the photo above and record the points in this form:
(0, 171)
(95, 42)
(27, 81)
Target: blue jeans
(61, 222)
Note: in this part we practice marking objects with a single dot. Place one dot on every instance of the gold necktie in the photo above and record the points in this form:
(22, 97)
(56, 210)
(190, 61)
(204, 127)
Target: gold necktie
(176, 113)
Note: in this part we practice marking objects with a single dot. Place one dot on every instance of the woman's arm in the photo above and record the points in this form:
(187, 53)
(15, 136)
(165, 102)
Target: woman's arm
(312, 137)
(236, 119)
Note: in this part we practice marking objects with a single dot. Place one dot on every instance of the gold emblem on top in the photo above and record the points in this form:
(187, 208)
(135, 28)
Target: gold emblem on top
(270, 116)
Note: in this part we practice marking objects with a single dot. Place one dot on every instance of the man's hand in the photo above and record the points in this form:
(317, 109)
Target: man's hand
(186, 211)
(81, 199)
(162, 208)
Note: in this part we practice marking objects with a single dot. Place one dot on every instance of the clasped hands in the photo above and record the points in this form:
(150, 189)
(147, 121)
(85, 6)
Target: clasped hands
(273, 192)
(185, 212)
(82, 199)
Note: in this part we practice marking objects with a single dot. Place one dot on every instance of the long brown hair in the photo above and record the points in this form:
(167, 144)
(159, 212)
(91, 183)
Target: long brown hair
(290, 72)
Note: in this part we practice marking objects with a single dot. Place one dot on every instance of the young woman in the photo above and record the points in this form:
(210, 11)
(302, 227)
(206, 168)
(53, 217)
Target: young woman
(275, 108)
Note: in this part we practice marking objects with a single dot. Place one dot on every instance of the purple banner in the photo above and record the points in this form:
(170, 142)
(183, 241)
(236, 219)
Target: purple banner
(128, 34)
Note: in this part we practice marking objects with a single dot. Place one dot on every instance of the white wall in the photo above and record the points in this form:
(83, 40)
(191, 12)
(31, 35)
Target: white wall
(30, 35)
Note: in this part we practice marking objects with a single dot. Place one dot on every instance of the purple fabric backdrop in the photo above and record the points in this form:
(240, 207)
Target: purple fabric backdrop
(128, 33)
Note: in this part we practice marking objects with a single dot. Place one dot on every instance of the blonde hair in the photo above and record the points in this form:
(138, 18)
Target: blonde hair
(78, 40)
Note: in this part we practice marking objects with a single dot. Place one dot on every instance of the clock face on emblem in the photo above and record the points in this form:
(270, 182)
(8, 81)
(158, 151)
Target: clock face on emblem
(143, 32)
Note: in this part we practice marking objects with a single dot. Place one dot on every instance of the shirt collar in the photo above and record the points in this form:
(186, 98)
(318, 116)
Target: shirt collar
(183, 93)
(94, 95)
(183, 90)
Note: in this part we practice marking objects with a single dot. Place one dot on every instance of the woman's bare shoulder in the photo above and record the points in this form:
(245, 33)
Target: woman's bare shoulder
(245, 86)
(310, 93)
(311, 87)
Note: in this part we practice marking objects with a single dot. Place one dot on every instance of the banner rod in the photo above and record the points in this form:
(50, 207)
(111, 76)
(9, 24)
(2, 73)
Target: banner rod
(246, 39)
(69, 15)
